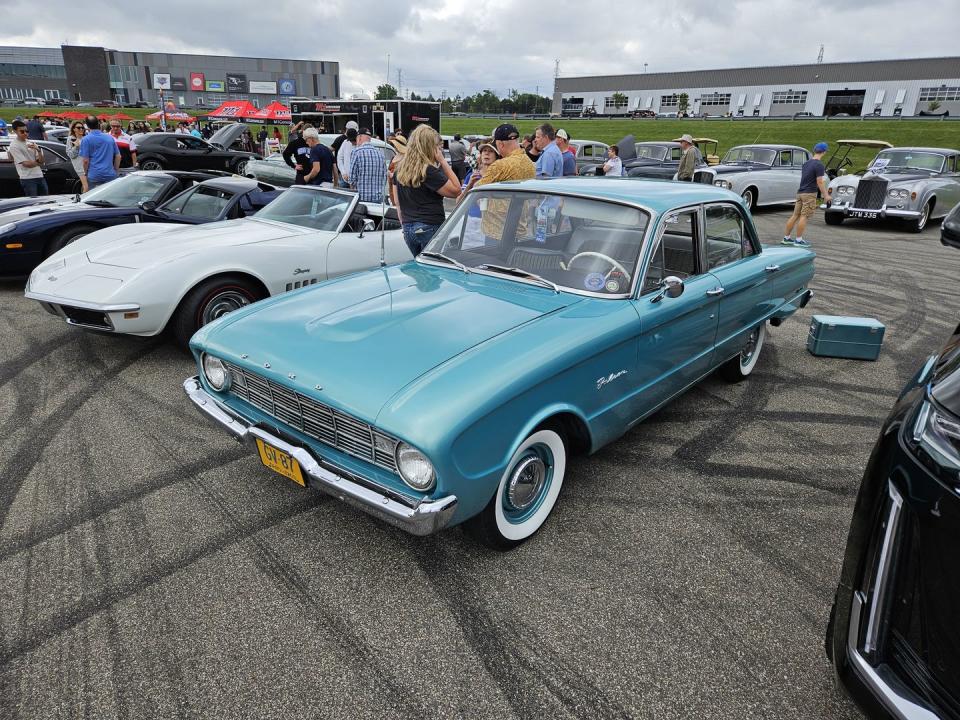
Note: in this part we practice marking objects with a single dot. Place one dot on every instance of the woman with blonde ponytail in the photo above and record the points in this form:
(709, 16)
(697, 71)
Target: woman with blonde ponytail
(422, 180)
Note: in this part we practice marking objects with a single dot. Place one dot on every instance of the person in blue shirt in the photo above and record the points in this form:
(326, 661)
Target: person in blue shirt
(101, 156)
(321, 160)
(550, 160)
(3, 128)
(811, 181)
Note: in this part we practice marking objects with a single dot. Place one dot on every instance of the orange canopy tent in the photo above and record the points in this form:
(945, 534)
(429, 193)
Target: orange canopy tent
(235, 110)
(275, 112)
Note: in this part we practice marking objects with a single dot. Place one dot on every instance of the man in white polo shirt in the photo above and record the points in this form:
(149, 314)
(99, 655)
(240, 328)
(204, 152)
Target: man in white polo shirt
(28, 159)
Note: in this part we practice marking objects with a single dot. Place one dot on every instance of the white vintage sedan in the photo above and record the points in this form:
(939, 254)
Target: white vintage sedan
(141, 279)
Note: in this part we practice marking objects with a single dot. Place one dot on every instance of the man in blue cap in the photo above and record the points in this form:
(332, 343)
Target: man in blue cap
(811, 180)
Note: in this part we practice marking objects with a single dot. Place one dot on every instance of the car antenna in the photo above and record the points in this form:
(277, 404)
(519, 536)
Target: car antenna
(383, 224)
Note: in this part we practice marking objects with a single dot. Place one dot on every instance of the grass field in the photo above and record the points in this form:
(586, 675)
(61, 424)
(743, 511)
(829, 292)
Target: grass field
(740, 132)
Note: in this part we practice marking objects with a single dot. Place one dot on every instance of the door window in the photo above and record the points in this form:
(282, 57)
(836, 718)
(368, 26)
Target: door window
(675, 154)
(785, 158)
(727, 239)
(201, 202)
(676, 251)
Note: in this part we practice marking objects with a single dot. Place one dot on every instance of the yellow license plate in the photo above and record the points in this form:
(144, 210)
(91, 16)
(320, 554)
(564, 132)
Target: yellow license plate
(280, 462)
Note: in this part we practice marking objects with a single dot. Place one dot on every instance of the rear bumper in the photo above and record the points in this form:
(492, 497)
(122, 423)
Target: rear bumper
(421, 518)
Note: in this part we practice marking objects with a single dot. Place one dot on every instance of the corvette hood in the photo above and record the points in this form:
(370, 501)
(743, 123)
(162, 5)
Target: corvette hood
(364, 338)
(139, 246)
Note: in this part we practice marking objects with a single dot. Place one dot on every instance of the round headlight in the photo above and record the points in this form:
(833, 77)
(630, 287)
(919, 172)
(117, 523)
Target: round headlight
(216, 373)
(721, 183)
(415, 469)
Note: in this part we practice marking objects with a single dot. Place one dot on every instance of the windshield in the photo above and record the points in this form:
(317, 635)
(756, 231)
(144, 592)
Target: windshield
(654, 152)
(314, 209)
(580, 244)
(895, 161)
(201, 201)
(128, 191)
(746, 154)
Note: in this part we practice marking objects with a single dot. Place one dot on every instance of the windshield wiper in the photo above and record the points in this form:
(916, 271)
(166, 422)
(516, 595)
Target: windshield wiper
(519, 272)
(445, 258)
(100, 203)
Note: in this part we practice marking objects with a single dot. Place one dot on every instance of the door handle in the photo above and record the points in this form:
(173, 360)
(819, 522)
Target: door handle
(716, 291)
(772, 268)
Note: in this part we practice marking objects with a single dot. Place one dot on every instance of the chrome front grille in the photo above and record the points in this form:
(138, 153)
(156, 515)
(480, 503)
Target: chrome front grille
(871, 193)
(314, 419)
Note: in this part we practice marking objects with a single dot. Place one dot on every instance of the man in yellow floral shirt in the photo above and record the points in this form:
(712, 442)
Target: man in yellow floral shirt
(512, 165)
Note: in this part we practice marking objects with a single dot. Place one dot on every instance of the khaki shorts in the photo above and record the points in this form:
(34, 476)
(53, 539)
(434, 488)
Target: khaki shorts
(806, 205)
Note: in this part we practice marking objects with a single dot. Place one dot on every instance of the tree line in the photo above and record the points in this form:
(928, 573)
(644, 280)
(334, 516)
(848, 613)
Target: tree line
(486, 101)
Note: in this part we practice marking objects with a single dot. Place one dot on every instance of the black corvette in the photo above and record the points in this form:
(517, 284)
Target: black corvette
(30, 234)
(57, 169)
(175, 151)
(894, 634)
(659, 160)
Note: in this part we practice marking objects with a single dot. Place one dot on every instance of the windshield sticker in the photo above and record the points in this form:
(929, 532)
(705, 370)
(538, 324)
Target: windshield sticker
(879, 164)
(593, 281)
(612, 286)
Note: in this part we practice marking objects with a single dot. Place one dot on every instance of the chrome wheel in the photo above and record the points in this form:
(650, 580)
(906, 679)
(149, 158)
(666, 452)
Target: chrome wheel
(748, 198)
(240, 167)
(222, 303)
(527, 482)
(924, 217)
(151, 165)
(750, 349)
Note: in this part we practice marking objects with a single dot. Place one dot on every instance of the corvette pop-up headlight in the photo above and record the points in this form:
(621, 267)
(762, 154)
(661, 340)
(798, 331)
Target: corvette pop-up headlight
(938, 435)
(216, 373)
(415, 469)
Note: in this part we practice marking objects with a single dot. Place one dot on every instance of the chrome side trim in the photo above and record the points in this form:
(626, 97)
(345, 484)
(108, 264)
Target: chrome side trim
(900, 706)
(83, 305)
(423, 518)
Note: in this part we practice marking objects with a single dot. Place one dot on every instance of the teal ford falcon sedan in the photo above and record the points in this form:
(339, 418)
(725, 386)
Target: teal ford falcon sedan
(543, 320)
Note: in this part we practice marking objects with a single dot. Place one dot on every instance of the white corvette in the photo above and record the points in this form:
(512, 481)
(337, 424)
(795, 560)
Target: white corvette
(142, 278)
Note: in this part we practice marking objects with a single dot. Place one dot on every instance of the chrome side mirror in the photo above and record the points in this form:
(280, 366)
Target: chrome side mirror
(368, 226)
(671, 286)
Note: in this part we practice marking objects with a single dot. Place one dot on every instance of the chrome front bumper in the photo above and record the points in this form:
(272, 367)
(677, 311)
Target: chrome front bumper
(417, 518)
(850, 211)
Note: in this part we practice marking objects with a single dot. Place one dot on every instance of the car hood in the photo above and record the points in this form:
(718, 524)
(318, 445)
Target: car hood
(897, 178)
(143, 245)
(22, 202)
(726, 169)
(363, 338)
(226, 135)
(945, 388)
(41, 209)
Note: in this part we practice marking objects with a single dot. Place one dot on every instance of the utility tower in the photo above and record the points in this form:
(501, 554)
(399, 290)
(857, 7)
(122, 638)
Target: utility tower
(820, 56)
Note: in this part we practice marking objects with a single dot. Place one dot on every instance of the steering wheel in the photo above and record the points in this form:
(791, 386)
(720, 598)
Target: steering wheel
(590, 253)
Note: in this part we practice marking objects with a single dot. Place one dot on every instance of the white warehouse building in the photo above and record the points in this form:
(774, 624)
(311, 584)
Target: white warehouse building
(878, 87)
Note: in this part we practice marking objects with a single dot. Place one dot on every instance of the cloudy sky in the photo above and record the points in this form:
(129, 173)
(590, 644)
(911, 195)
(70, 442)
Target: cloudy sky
(463, 46)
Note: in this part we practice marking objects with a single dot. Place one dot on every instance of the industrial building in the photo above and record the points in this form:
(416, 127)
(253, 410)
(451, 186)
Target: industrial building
(879, 87)
(91, 74)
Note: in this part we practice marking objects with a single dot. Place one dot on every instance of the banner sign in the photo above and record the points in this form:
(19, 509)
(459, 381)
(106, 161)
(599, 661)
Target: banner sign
(161, 81)
(266, 88)
(288, 86)
(196, 82)
(215, 86)
(178, 83)
(325, 107)
(237, 83)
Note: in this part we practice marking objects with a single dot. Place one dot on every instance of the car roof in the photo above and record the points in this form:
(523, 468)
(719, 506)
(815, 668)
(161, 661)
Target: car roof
(769, 146)
(586, 142)
(942, 151)
(233, 183)
(658, 195)
(660, 143)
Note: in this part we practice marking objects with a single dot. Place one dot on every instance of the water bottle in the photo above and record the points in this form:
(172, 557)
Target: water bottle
(541, 232)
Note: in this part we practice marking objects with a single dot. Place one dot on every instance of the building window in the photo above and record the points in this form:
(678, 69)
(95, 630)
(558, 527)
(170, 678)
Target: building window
(669, 100)
(948, 94)
(789, 97)
(610, 102)
(715, 100)
(51, 94)
(122, 73)
(572, 104)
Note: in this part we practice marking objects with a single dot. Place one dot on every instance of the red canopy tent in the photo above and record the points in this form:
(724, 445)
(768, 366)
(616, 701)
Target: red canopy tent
(275, 112)
(73, 115)
(49, 114)
(172, 115)
(121, 116)
(234, 110)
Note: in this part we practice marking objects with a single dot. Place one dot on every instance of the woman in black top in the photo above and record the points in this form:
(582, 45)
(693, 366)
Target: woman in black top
(422, 180)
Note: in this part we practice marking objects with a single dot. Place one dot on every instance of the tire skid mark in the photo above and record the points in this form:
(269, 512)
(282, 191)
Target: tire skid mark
(94, 509)
(10, 369)
(106, 597)
(503, 657)
(25, 456)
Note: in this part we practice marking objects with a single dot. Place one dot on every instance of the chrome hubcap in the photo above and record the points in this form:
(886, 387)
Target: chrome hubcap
(241, 166)
(150, 165)
(924, 216)
(526, 482)
(748, 197)
(225, 302)
(750, 348)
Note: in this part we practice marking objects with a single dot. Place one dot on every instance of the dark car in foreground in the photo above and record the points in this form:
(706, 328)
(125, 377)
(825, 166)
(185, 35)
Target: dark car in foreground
(30, 234)
(894, 635)
(175, 151)
(950, 230)
(57, 169)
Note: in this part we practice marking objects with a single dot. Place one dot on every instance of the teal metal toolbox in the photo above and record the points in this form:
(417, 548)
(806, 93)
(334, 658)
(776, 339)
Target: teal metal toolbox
(845, 337)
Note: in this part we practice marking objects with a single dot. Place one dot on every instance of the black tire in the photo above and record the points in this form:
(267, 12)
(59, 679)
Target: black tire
(150, 164)
(833, 218)
(209, 300)
(240, 166)
(738, 368)
(541, 459)
(67, 236)
(750, 198)
(917, 225)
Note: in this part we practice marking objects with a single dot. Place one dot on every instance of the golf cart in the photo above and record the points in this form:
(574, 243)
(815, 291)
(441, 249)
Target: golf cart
(840, 161)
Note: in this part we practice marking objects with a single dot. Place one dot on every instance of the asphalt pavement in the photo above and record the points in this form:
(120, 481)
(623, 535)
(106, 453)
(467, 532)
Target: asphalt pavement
(150, 567)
